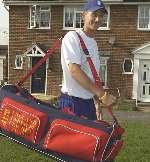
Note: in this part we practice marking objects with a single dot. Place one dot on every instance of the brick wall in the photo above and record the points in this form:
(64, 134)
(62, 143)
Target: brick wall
(22, 38)
(123, 25)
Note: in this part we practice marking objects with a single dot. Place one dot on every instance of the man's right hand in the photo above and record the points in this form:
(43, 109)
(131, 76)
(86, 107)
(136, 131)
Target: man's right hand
(108, 99)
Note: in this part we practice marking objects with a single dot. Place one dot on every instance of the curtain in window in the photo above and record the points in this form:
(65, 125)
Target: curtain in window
(144, 17)
(39, 17)
(69, 17)
(79, 20)
(44, 19)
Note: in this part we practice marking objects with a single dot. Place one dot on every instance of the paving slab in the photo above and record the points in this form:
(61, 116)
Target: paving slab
(129, 116)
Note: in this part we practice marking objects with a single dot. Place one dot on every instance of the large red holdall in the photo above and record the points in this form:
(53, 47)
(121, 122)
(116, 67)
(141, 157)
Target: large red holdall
(60, 135)
(64, 137)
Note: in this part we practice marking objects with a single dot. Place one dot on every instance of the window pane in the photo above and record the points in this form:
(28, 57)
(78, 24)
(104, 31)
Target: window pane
(143, 22)
(144, 17)
(37, 18)
(104, 21)
(32, 23)
(32, 16)
(40, 16)
(44, 19)
(18, 61)
(69, 16)
(79, 20)
(127, 65)
(73, 17)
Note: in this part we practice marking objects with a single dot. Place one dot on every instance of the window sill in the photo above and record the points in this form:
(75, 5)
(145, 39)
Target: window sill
(99, 29)
(142, 29)
(70, 28)
(18, 68)
(127, 73)
(39, 28)
(103, 29)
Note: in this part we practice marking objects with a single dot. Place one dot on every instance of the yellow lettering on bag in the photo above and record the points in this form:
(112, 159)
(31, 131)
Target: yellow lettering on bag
(20, 123)
(5, 115)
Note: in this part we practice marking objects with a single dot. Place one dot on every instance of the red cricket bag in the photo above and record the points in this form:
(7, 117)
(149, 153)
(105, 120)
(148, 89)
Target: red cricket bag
(61, 136)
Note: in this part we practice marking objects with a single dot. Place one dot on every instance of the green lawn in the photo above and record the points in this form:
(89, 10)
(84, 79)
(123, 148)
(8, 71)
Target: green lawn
(136, 147)
(137, 143)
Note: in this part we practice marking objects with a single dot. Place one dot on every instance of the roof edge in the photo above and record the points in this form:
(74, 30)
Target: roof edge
(136, 50)
(56, 2)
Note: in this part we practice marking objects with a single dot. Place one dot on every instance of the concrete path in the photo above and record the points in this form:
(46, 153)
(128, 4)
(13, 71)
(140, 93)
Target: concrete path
(129, 116)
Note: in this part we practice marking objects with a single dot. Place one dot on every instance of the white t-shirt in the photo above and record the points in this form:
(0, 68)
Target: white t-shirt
(71, 52)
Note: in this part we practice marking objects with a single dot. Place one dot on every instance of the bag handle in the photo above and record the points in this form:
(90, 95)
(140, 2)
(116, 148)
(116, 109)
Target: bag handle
(97, 79)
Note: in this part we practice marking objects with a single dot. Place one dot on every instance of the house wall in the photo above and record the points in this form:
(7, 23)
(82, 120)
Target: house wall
(123, 25)
(22, 38)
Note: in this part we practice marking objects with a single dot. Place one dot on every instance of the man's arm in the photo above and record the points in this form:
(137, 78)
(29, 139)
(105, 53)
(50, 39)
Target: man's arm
(79, 75)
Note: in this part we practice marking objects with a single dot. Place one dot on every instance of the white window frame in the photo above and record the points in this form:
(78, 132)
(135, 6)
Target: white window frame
(103, 62)
(76, 10)
(32, 16)
(138, 26)
(21, 63)
(124, 72)
(37, 17)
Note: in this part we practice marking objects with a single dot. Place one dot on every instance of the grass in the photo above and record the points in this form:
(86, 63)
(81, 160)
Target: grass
(136, 147)
(137, 143)
(13, 152)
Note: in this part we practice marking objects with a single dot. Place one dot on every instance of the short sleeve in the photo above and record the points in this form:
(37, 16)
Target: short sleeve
(70, 48)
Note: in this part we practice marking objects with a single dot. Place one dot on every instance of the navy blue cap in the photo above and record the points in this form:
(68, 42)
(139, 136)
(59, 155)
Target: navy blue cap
(93, 5)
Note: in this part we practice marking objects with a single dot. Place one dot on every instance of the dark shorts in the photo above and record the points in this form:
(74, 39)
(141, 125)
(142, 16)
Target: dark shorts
(84, 108)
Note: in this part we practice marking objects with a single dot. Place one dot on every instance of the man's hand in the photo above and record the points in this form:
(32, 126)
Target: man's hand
(108, 99)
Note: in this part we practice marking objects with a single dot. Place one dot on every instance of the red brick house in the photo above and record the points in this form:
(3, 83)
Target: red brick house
(123, 41)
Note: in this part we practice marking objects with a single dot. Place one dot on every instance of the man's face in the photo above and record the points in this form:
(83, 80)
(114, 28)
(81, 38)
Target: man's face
(93, 20)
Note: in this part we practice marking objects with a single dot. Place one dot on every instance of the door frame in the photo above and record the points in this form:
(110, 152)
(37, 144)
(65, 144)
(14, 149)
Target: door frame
(30, 66)
(141, 53)
(141, 98)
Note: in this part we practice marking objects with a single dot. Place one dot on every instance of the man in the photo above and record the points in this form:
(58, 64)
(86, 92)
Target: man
(78, 87)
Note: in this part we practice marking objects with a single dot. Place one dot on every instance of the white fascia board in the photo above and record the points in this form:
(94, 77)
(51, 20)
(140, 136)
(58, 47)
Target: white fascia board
(9, 3)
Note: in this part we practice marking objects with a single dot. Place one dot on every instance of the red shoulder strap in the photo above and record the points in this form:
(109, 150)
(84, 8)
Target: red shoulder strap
(94, 72)
(90, 62)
